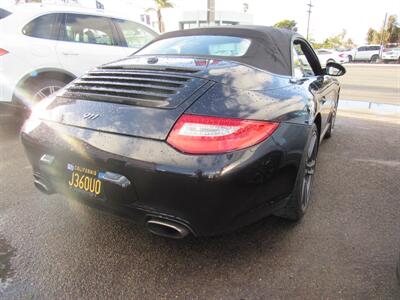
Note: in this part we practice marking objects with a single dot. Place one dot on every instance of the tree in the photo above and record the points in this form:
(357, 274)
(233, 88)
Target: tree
(287, 24)
(393, 31)
(335, 41)
(160, 4)
(371, 34)
(391, 34)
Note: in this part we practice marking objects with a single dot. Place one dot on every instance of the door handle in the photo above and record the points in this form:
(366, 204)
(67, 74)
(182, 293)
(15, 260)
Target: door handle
(70, 53)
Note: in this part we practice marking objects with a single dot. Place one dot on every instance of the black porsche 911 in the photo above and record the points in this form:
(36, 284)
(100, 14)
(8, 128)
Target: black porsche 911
(200, 132)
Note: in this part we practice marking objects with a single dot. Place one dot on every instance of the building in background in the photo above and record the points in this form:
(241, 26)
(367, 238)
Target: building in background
(193, 19)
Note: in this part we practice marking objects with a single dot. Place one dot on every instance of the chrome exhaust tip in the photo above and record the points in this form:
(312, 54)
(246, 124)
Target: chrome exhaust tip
(42, 186)
(167, 228)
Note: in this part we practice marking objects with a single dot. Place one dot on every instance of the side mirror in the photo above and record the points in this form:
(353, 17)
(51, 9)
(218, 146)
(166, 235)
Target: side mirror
(334, 69)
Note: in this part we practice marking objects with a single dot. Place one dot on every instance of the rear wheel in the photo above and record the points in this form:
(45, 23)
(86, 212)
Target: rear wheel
(300, 199)
(328, 134)
(374, 58)
(44, 88)
(40, 89)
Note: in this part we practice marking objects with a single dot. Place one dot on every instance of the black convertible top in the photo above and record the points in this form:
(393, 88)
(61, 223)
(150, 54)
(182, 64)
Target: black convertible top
(269, 50)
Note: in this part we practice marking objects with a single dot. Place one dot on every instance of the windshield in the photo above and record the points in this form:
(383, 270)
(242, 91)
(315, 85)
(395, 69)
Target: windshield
(199, 45)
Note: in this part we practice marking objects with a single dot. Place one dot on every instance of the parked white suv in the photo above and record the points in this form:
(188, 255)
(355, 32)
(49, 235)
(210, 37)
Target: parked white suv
(366, 53)
(42, 48)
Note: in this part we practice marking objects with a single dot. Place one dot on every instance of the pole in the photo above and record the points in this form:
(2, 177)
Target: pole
(210, 12)
(309, 15)
(382, 34)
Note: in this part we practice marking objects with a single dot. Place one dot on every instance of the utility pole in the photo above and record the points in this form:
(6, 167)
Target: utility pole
(210, 12)
(382, 35)
(309, 15)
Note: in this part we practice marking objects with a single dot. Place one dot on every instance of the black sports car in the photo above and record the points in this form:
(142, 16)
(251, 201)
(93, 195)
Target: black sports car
(199, 132)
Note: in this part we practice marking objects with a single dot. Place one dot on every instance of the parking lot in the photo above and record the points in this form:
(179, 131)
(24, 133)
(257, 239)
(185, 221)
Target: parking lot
(346, 247)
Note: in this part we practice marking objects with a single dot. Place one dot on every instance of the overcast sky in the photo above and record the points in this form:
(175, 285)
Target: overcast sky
(328, 16)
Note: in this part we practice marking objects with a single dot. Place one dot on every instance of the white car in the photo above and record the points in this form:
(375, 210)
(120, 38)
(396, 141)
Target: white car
(330, 55)
(368, 53)
(43, 47)
(391, 54)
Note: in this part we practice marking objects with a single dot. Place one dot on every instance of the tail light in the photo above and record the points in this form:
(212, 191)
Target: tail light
(342, 55)
(3, 51)
(210, 135)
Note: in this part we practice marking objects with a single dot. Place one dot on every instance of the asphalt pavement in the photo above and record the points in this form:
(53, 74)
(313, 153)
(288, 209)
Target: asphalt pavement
(378, 83)
(346, 247)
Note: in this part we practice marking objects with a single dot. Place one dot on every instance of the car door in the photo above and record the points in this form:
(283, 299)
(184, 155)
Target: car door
(133, 35)
(360, 53)
(87, 41)
(322, 88)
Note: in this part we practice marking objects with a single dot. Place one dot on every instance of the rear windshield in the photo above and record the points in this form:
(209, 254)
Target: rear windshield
(199, 45)
(4, 13)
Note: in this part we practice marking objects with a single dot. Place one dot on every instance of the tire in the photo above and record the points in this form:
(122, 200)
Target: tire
(328, 134)
(398, 271)
(299, 201)
(42, 88)
(374, 58)
(330, 60)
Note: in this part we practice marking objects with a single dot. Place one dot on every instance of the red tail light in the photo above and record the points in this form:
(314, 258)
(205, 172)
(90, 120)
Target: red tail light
(342, 55)
(3, 51)
(207, 135)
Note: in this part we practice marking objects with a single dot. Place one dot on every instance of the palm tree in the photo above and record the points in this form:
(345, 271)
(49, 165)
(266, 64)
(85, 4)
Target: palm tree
(160, 4)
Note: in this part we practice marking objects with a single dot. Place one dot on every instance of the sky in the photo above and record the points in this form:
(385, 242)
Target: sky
(329, 17)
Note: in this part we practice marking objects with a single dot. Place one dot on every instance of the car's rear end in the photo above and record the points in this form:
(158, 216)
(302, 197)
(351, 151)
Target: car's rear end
(114, 137)
(342, 57)
(391, 55)
(4, 51)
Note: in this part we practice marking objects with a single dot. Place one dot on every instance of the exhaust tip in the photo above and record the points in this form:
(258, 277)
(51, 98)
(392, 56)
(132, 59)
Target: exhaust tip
(42, 186)
(167, 228)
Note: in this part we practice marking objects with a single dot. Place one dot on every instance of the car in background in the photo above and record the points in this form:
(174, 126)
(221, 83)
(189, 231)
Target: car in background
(44, 47)
(391, 55)
(368, 53)
(329, 55)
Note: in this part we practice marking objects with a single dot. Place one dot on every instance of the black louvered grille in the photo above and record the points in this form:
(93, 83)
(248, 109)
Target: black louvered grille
(145, 87)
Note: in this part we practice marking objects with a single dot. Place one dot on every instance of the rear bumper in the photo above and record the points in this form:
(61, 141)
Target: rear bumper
(210, 194)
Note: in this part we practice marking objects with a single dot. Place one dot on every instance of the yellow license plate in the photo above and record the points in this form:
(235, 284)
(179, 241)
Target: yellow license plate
(85, 179)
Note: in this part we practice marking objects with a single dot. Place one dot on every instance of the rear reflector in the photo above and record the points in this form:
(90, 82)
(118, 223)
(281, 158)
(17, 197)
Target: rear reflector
(210, 135)
(3, 51)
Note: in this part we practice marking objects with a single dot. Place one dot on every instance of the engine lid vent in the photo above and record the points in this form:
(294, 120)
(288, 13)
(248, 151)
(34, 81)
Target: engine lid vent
(142, 86)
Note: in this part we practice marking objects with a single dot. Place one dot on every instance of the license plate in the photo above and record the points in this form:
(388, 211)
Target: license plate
(85, 180)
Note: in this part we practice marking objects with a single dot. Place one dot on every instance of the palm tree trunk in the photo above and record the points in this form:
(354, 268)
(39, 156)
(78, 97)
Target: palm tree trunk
(160, 21)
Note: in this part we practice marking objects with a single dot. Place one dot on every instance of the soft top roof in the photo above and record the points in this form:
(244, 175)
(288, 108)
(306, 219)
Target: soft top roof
(270, 48)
